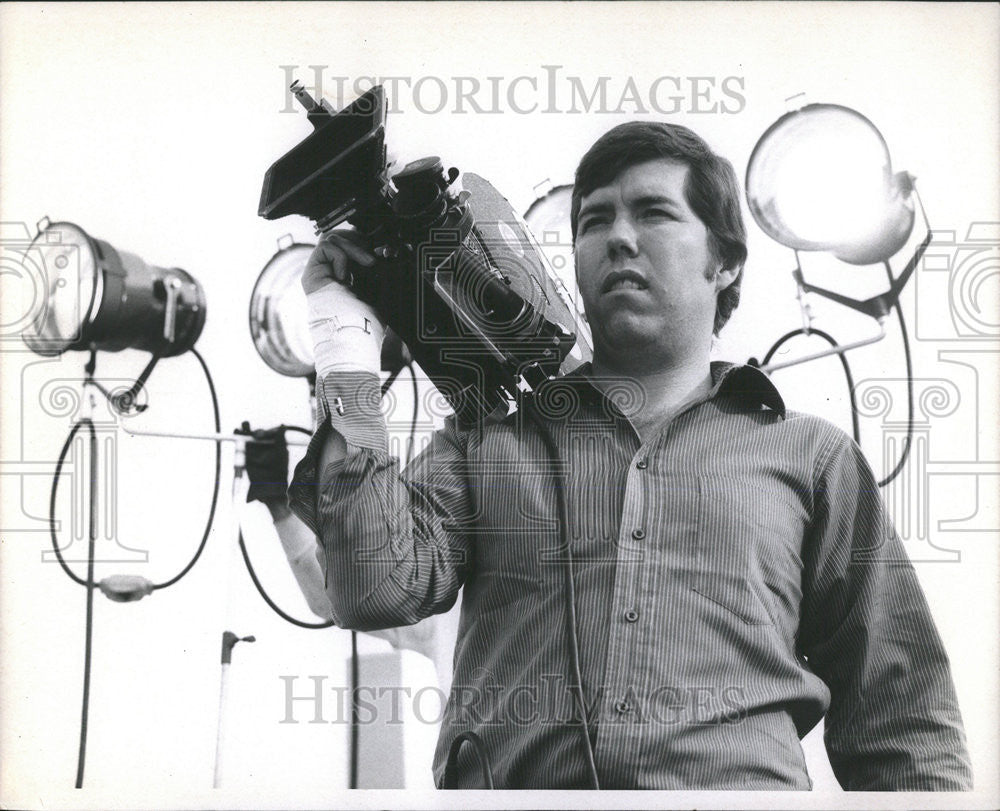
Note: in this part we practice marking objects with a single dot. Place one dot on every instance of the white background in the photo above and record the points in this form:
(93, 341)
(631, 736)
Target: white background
(151, 127)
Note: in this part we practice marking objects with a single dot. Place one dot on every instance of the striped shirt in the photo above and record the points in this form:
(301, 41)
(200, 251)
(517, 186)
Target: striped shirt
(736, 579)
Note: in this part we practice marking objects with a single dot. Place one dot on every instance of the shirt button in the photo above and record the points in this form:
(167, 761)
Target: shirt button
(631, 615)
(639, 533)
(642, 464)
(622, 707)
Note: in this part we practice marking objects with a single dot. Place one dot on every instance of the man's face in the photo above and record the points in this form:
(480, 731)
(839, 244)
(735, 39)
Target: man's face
(646, 271)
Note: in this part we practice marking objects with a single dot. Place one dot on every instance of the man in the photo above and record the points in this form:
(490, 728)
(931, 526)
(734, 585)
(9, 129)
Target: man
(735, 577)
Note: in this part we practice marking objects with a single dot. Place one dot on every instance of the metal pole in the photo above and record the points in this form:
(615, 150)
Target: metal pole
(88, 642)
(220, 734)
(238, 439)
(229, 640)
(840, 350)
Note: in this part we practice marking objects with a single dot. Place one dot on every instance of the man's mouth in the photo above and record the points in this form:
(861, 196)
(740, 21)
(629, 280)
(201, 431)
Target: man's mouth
(623, 280)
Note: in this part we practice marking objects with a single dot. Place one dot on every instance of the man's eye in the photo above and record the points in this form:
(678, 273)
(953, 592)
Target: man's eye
(590, 223)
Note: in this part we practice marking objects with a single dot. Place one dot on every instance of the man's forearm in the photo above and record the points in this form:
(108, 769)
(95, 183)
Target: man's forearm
(299, 545)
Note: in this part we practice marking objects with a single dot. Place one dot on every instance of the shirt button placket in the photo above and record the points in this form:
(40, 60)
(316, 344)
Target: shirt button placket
(626, 643)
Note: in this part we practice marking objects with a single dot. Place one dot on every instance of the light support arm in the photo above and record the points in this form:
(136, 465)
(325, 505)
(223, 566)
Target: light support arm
(767, 368)
(237, 439)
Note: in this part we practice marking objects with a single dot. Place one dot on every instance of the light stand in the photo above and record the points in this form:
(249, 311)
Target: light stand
(229, 640)
(99, 298)
(820, 179)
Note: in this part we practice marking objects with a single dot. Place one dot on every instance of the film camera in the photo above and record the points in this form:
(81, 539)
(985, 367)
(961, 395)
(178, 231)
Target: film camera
(459, 278)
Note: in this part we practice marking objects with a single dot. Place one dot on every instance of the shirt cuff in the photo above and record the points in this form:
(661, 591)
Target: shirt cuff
(352, 403)
(349, 403)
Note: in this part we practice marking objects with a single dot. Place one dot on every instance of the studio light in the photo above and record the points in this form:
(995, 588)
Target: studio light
(550, 214)
(278, 323)
(96, 297)
(820, 179)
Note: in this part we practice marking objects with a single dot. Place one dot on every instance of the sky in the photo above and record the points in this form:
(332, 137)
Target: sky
(151, 127)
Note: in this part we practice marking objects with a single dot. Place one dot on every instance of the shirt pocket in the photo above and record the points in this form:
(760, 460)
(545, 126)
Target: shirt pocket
(736, 527)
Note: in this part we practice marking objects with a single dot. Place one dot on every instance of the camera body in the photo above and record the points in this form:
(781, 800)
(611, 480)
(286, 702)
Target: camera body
(459, 278)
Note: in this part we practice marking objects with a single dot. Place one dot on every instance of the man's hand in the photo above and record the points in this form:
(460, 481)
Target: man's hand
(346, 332)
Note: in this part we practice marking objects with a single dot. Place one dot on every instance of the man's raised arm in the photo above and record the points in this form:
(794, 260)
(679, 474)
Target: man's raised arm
(393, 548)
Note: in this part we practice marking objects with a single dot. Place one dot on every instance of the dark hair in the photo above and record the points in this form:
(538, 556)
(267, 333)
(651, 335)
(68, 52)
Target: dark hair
(711, 189)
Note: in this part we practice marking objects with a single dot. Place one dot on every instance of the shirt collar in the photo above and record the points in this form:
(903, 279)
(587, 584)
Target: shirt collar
(747, 384)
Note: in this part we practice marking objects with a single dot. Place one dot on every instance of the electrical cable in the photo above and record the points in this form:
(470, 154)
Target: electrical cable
(416, 411)
(267, 599)
(570, 590)
(211, 513)
(355, 727)
(855, 425)
(88, 644)
(450, 778)
(908, 359)
(246, 555)
(52, 499)
(215, 489)
(387, 384)
(571, 627)
(260, 586)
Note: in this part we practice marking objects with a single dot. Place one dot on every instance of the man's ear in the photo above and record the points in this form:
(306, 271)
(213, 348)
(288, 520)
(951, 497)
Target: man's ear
(724, 278)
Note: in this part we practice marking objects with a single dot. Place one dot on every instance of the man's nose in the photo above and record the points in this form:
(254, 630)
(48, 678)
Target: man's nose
(621, 239)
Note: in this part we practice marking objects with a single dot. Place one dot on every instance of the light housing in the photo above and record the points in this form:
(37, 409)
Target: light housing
(820, 179)
(278, 317)
(100, 298)
(550, 213)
